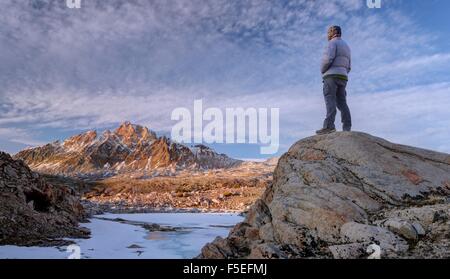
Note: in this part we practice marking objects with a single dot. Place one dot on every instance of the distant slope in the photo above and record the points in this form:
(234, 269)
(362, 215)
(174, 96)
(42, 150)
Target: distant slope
(130, 148)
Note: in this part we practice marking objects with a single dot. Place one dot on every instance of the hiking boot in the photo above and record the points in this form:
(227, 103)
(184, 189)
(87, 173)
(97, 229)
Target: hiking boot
(325, 131)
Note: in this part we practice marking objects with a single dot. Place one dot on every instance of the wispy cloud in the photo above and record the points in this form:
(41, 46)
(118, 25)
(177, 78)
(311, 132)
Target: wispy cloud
(19, 136)
(137, 60)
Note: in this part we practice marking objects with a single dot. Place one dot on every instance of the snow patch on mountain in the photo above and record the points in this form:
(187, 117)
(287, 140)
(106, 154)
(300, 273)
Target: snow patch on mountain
(129, 148)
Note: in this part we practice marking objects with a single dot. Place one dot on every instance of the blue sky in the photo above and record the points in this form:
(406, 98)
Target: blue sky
(65, 71)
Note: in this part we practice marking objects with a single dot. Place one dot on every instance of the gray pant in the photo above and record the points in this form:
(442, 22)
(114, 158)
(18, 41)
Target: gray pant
(336, 97)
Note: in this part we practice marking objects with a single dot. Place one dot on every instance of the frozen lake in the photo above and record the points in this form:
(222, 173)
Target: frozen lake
(114, 240)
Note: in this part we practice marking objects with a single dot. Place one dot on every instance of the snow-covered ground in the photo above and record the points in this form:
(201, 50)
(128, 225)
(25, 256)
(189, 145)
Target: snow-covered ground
(112, 240)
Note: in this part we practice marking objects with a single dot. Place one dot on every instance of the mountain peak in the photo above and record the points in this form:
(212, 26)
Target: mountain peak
(128, 148)
(127, 126)
(81, 139)
(131, 134)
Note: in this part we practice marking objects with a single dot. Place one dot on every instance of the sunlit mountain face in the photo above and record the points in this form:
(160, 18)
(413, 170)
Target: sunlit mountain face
(129, 148)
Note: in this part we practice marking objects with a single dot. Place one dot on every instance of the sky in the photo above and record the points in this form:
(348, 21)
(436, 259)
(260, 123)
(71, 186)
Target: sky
(65, 71)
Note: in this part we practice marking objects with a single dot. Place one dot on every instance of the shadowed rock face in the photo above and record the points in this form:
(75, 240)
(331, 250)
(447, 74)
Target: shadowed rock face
(335, 195)
(33, 211)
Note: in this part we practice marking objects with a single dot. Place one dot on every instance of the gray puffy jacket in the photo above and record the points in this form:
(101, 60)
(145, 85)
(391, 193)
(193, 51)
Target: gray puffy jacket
(337, 58)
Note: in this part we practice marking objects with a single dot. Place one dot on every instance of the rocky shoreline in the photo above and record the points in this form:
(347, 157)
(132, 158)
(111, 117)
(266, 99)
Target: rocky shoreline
(208, 191)
(93, 208)
(34, 211)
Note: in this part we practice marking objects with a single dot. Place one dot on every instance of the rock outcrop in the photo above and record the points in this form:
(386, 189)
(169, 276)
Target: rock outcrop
(334, 196)
(32, 211)
(130, 148)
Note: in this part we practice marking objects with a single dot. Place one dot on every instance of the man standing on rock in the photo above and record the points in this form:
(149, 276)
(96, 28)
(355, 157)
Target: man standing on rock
(336, 66)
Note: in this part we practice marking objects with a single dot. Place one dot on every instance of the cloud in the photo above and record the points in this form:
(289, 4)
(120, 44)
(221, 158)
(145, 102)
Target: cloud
(20, 136)
(137, 60)
(183, 42)
(415, 115)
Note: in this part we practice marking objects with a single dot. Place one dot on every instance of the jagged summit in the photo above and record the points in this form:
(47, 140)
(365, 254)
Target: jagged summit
(131, 134)
(334, 195)
(129, 148)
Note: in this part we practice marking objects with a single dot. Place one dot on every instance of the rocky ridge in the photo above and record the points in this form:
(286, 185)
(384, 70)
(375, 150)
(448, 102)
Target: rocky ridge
(130, 148)
(333, 196)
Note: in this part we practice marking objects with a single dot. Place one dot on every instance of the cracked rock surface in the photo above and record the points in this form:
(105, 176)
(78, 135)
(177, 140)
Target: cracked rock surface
(335, 195)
